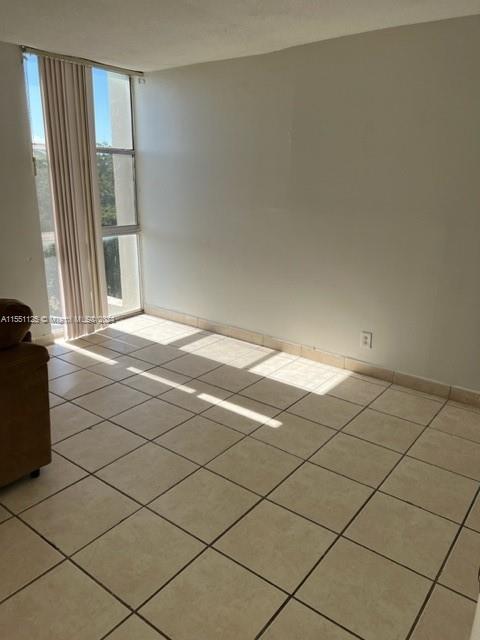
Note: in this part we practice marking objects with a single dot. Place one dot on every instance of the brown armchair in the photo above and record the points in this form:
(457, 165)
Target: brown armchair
(25, 444)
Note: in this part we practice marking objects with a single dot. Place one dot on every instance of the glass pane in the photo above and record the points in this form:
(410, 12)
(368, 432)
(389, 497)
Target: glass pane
(34, 98)
(113, 118)
(47, 227)
(42, 184)
(121, 271)
(116, 186)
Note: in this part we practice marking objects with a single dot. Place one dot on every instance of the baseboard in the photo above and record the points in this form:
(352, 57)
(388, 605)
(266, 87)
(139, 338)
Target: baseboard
(424, 385)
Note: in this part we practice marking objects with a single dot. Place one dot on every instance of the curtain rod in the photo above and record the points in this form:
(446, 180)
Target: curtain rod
(84, 61)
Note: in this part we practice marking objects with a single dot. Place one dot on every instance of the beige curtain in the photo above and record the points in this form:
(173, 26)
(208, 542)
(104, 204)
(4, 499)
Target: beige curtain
(68, 108)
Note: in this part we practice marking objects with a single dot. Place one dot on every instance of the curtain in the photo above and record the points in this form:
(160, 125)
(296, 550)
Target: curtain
(68, 109)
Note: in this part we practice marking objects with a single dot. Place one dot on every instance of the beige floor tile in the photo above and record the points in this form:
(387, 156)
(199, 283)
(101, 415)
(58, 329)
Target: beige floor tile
(408, 406)
(463, 405)
(85, 608)
(26, 492)
(255, 465)
(232, 356)
(131, 339)
(137, 323)
(297, 622)
(195, 396)
(269, 365)
(276, 544)
(357, 459)
(275, 393)
(385, 430)
(57, 368)
(224, 601)
(54, 400)
(111, 400)
(23, 556)
(77, 384)
(153, 551)
(240, 413)
(121, 346)
(97, 446)
(409, 535)
(440, 397)
(322, 496)
(199, 439)
(446, 616)
(230, 378)
(199, 340)
(452, 453)
(158, 354)
(156, 381)
(458, 422)
(294, 434)
(121, 368)
(461, 570)
(431, 488)
(368, 594)
(327, 410)
(135, 629)
(192, 365)
(4, 514)
(75, 516)
(95, 338)
(296, 374)
(89, 355)
(68, 419)
(58, 348)
(107, 332)
(151, 419)
(204, 504)
(165, 334)
(473, 520)
(360, 376)
(354, 390)
(147, 472)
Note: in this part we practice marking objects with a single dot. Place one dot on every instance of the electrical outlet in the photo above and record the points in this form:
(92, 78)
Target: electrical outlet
(366, 338)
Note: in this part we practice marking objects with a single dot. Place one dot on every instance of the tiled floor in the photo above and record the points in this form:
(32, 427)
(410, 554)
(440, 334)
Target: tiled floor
(204, 488)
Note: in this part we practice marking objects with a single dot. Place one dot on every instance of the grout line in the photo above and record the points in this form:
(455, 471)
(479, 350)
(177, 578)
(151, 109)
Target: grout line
(442, 566)
(340, 535)
(119, 624)
(261, 497)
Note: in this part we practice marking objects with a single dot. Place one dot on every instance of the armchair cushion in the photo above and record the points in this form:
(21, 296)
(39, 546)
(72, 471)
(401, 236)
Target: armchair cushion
(14, 322)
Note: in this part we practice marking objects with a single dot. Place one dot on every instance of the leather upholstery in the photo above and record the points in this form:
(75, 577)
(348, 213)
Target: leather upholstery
(14, 322)
(24, 408)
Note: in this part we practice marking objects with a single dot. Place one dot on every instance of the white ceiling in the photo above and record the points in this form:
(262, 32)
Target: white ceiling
(156, 34)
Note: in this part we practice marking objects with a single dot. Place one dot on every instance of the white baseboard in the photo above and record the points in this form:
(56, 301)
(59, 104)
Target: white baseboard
(444, 390)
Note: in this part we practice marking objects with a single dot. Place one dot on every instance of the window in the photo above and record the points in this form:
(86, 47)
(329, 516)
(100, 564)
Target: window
(115, 163)
(116, 178)
(42, 183)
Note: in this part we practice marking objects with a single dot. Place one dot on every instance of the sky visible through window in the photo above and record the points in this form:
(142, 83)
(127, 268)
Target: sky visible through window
(103, 127)
(100, 89)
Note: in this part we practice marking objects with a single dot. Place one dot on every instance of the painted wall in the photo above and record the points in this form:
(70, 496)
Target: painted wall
(22, 273)
(322, 190)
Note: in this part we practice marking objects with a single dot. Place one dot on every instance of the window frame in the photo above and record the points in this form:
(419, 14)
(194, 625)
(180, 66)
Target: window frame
(108, 231)
(111, 230)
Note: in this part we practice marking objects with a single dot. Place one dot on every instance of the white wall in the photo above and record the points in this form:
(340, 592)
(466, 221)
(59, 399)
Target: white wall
(322, 190)
(22, 273)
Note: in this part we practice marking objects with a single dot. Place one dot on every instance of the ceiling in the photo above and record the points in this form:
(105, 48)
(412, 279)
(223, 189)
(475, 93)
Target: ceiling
(156, 34)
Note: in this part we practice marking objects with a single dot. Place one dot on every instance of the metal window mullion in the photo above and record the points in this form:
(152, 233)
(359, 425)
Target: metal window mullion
(115, 150)
(120, 230)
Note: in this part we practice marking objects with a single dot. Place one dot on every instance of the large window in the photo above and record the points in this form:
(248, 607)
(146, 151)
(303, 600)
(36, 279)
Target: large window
(42, 183)
(115, 155)
(116, 178)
